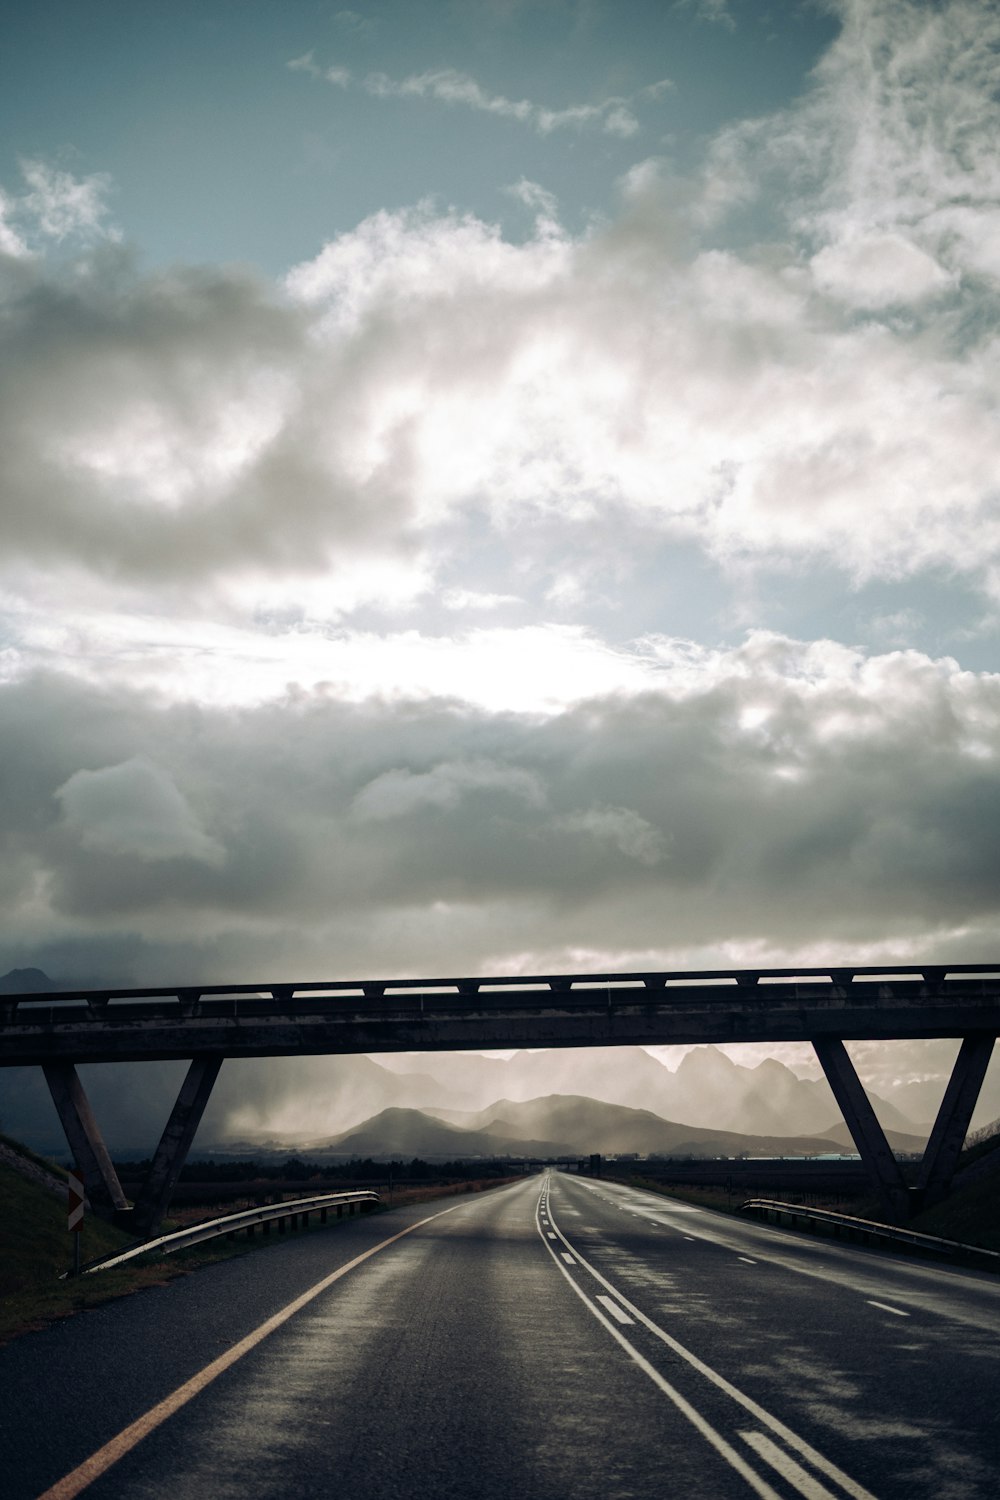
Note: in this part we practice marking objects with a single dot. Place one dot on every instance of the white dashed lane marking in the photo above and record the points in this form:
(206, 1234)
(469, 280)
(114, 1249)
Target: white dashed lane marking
(613, 1308)
(884, 1307)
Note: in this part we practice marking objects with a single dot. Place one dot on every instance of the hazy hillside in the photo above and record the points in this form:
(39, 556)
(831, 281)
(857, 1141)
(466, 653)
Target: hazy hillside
(26, 982)
(408, 1132)
(560, 1125)
(911, 1145)
(707, 1089)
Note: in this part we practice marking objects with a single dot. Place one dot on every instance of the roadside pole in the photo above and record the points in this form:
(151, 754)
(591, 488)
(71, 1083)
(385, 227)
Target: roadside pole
(75, 1206)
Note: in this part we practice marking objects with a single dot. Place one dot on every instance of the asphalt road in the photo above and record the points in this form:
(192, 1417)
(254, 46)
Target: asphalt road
(552, 1340)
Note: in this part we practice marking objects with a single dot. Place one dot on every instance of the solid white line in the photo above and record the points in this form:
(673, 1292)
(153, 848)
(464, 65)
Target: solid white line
(810, 1454)
(614, 1309)
(98, 1463)
(884, 1306)
(717, 1441)
(780, 1461)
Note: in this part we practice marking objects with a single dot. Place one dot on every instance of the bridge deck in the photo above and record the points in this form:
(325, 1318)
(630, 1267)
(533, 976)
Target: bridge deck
(581, 1010)
(211, 1022)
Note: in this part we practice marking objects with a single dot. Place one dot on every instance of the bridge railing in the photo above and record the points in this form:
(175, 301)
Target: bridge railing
(100, 1004)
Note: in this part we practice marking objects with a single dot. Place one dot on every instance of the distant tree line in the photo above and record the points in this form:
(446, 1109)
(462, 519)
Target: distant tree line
(982, 1141)
(295, 1169)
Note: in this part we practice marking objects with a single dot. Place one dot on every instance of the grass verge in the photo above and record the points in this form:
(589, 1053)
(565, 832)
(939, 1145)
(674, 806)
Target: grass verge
(972, 1215)
(36, 1248)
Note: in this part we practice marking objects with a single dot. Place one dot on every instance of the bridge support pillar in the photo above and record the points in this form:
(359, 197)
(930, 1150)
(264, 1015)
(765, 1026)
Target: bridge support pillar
(175, 1143)
(868, 1135)
(951, 1126)
(85, 1141)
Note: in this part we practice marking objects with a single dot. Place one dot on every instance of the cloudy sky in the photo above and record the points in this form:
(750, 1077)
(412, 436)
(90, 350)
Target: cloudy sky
(498, 484)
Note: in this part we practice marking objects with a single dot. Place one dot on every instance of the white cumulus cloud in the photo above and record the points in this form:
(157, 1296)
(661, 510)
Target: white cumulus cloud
(135, 809)
(877, 270)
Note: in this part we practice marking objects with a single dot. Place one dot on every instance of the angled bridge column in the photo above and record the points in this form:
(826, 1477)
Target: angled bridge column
(175, 1143)
(84, 1140)
(868, 1135)
(952, 1124)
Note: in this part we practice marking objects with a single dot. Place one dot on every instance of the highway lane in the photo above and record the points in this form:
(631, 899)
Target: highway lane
(555, 1339)
(888, 1366)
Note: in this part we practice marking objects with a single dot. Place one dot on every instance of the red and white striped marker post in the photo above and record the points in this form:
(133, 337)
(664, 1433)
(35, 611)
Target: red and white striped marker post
(75, 1206)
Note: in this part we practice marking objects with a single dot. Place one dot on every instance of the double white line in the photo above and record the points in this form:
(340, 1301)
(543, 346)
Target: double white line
(780, 1460)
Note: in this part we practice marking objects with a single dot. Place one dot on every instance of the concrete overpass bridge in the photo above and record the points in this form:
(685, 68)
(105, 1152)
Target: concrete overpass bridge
(208, 1023)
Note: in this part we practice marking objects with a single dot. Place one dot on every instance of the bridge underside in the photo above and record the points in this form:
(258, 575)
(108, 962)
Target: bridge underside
(58, 1031)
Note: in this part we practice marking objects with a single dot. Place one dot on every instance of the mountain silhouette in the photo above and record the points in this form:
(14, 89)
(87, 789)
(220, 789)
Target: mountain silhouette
(707, 1090)
(564, 1125)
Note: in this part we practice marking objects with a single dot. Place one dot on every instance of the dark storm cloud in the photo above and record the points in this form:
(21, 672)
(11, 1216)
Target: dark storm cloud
(846, 803)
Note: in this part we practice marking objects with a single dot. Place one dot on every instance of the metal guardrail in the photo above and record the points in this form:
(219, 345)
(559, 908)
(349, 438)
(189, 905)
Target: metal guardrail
(230, 1224)
(870, 1231)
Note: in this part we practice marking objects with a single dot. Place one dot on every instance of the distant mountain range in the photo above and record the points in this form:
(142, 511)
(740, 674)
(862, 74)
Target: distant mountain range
(567, 1125)
(707, 1089)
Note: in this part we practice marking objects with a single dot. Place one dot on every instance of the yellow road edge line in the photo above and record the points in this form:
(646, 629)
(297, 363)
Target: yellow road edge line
(98, 1463)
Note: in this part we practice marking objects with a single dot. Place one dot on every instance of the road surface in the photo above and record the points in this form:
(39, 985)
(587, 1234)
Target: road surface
(556, 1340)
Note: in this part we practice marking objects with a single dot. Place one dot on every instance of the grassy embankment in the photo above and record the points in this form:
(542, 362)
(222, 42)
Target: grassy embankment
(972, 1215)
(35, 1248)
